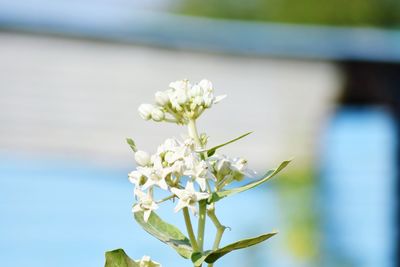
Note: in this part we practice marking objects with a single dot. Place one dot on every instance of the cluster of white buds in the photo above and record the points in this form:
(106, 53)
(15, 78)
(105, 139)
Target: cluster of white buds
(166, 169)
(181, 103)
(146, 262)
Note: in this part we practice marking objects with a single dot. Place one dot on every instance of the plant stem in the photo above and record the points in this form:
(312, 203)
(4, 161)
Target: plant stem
(220, 230)
(165, 199)
(218, 225)
(193, 132)
(189, 228)
(202, 204)
(201, 224)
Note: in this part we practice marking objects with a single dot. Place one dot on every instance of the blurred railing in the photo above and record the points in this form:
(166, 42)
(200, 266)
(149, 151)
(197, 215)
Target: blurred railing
(128, 23)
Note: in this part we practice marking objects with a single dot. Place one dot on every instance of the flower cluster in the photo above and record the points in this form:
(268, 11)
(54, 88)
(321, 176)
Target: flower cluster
(186, 170)
(175, 163)
(181, 102)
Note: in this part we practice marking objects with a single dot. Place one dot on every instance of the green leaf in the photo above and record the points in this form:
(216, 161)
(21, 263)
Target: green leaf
(212, 256)
(212, 150)
(132, 144)
(216, 196)
(166, 233)
(118, 258)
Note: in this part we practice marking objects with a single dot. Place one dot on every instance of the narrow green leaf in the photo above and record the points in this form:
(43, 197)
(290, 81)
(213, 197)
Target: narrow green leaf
(166, 233)
(216, 196)
(212, 256)
(118, 258)
(132, 144)
(212, 150)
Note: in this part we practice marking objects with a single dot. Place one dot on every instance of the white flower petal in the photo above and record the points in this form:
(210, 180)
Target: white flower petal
(180, 206)
(219, 98)
(146, 215)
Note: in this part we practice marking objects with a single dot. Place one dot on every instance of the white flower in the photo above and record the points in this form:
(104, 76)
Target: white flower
(173, 150)
(147, 262)
(136, 178)
(145, 204)
(188, 197)
(198, 170)
(178, 168)
(145, 111)
(161, 98)
(178, 98)
(206, 85)
(240, 165)
(155, 175)
(226, 169)
(142, 158)
(169, 145)
(180, 85)
(157, 114)
(183, 149)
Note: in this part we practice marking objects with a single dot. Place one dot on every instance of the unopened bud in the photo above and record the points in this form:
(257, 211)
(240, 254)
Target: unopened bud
(206, 85)
(161, 98)
(142, 158)
(208, 100)
(195, 91)
(223, 167)
(181, 97)
(145, 111)
(157, 114)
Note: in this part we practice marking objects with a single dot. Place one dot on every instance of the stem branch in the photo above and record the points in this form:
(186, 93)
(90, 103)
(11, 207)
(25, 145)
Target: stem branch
(189, 228)
(218, 225)
(201, 223)
(220, 229)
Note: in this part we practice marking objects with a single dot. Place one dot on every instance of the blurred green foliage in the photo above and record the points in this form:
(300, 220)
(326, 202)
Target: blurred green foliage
(296, 188)
(380, 13)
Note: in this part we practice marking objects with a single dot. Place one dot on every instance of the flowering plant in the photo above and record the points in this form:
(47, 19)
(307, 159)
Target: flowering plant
(190, 172)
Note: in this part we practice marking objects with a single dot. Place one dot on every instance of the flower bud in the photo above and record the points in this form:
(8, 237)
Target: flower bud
(238, 176)
(157, 114)
(208, 101)
(181, 97)
(142, 158)
(195, 91)
(206, 85)
(223, 167)
(179, 85)
(145, 111)
(203, 139)
(161, 98)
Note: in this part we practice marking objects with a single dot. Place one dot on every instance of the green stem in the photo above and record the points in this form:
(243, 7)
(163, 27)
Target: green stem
(202, 204)
(218, 225)
(220, 230)
(189, 228)
(201, 223)
(193, 132)
(165, 199)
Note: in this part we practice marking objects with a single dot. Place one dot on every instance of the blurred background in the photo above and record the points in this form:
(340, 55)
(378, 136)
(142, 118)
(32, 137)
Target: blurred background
(317, 81)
